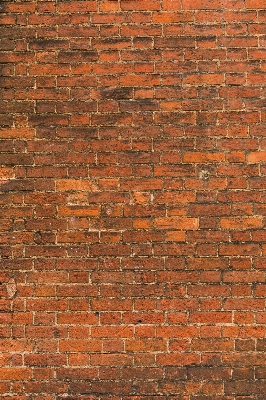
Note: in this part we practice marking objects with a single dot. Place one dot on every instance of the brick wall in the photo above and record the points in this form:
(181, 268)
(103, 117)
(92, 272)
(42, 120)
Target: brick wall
(133, 168)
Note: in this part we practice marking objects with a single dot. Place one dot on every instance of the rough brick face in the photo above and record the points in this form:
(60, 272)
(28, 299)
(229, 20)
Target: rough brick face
(132, 177)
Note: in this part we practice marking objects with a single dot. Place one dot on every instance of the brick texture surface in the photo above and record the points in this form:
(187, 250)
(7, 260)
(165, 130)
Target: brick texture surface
(132, 191)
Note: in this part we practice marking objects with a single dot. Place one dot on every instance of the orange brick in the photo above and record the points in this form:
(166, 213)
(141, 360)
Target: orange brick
(242, 222)
(11, 133)
(176, 223)
(203, 4)
(200, 157)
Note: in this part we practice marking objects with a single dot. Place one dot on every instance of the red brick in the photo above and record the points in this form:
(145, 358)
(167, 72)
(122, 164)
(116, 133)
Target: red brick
(79, 211)
(173, 170)
(178, 359)
(212, 183)
(209, 209)
(145, 345)
(241, 249)
(111, 359)
(132, 232)
(110, 331)
(211, 317)
(143, 5)
(180, 332)
(180, 303)
(41, 305)
(44, 359)
(243, 276)
(172, 17)
(200, 157)
(111, 304)
(73, 346)
(214, 344)
(143, 80)
(211, 79)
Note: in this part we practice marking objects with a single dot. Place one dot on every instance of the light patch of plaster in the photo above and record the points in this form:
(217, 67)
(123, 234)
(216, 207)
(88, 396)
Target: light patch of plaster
(11, 288)
(204, 175)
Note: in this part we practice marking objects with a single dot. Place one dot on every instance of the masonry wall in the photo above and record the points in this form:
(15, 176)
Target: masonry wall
(133, 244)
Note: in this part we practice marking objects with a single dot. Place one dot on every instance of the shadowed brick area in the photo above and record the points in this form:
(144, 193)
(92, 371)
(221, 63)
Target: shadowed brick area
(132, 193)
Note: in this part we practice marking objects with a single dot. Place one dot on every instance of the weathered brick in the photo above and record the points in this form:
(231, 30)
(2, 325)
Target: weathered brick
(132, 199)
